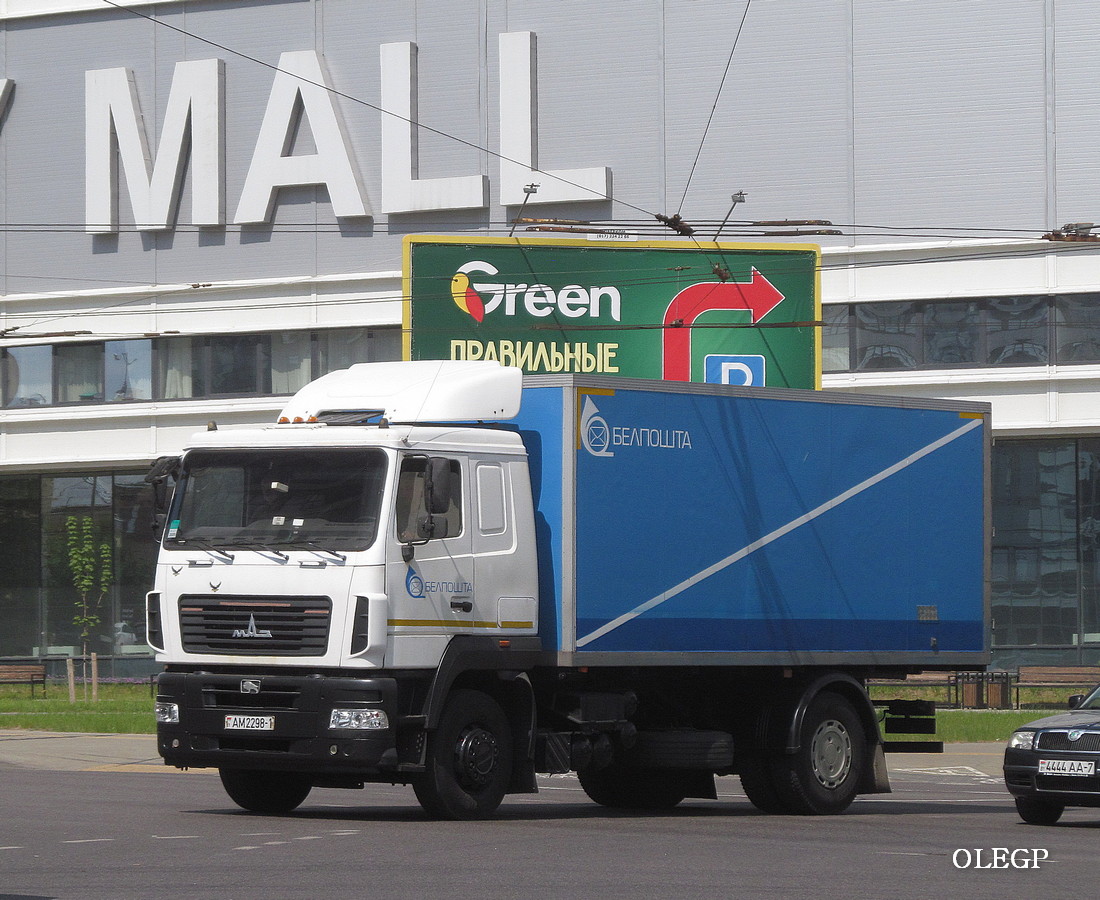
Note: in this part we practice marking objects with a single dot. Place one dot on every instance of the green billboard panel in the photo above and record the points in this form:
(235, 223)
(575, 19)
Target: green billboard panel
(709, 312)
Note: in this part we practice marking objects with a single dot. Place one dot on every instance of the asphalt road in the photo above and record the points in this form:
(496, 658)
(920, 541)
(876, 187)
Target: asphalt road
(89, 817)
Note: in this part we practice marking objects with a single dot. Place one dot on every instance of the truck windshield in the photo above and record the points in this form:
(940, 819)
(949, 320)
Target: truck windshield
(325, 499)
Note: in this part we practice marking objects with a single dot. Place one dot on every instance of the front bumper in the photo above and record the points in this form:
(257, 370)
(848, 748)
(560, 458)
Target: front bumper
(297, 706)
(1022, 778)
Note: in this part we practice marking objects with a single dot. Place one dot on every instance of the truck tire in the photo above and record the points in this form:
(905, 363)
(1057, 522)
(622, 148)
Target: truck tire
(823, 776)
(759, 785)
(469, 759)
(1038, 812)
(270, 793)
(621, 787)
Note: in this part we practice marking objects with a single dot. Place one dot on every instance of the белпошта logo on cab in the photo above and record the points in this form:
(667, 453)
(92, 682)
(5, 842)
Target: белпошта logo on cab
(414, 584)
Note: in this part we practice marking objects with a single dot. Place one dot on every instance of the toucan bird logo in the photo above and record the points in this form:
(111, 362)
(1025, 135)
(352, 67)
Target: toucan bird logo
(466, 298)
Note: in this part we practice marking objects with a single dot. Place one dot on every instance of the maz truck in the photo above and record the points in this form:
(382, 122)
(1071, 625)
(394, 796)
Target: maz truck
(443, 575)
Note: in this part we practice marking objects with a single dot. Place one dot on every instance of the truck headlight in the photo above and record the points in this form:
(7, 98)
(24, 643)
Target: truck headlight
(359, 719)
(168, 713)
(1022, 740)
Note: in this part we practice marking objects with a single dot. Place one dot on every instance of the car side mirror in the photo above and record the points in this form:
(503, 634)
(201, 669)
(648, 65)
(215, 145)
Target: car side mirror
(1075, 701)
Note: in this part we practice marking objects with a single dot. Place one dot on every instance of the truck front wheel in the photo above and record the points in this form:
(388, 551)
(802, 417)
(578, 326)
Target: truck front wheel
(270, 793)
(823, 776)
(469, 759)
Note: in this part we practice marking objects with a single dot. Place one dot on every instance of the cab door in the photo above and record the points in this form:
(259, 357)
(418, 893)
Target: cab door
(505, 563)
(430, 572)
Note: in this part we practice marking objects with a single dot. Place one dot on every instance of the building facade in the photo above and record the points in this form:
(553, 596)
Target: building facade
(204, 204)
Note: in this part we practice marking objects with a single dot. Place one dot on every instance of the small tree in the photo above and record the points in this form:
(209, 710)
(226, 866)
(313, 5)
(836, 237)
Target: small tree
(92, 569)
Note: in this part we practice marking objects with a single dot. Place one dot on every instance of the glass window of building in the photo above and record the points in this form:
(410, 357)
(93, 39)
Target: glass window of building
(291, 361)
(887, 336)
(28, 376)
(1088, 481)
(178, 376)
(1018, 331)
(1078, 327)
(1046, 552)
(239, 364)
(48, 525)
(345, 347)
(835, 340)
(78, 562)
(79, 369)
(20, 552)
(128, 370)
(952, 334)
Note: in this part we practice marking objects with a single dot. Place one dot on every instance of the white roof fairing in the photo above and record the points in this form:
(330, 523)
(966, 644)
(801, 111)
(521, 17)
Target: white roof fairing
(411, 392)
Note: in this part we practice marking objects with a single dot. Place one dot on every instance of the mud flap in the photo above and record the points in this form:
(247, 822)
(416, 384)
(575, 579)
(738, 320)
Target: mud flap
(876, 778)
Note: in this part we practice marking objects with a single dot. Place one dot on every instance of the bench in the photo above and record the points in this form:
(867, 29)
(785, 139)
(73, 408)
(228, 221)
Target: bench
(24, 674)
(920, 679)
(963, 690)
(1057, 676)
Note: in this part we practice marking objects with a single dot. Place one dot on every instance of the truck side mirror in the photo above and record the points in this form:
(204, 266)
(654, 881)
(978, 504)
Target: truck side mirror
(437, 490)
(164, 468)
(430, 527)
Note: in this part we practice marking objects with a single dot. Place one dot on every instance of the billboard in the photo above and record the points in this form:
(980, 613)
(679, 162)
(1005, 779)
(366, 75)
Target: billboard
(675, 310)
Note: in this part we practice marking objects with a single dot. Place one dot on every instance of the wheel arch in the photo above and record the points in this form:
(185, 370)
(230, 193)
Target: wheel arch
(836, 683)
(480, 665)
(875, 778)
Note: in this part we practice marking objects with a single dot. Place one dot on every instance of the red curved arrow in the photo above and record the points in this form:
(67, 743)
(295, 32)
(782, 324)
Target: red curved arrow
(759, 296)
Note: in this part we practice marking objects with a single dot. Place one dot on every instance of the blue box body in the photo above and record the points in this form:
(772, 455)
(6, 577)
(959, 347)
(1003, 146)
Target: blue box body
(742, 525)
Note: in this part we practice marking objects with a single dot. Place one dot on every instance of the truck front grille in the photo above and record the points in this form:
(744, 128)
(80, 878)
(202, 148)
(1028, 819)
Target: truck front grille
(247, 625)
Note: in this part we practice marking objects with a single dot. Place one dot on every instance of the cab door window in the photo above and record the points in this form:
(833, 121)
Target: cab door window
(411, 506)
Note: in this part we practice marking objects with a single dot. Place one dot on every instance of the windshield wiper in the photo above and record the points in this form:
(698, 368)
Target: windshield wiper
(260, 545)
(317, 548)
(206, 545)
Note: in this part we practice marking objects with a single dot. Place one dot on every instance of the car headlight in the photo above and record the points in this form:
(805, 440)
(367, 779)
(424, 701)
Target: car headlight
(1022, 740)
(359, 719)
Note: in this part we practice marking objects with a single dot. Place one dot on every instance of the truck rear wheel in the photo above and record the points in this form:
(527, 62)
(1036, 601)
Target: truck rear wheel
(621, 787)
(469, 759)
(823, 776)
(270, 793)
(759, 785)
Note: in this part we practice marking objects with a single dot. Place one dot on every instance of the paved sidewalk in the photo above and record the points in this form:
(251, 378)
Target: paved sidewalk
(82, 752)
(138, 753)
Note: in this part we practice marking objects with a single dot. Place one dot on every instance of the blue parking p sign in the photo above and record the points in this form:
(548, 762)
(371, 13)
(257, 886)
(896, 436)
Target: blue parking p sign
(743, 370)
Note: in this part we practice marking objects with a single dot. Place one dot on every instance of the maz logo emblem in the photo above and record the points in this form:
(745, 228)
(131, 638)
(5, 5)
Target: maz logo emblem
(250, 686)
(252, 631)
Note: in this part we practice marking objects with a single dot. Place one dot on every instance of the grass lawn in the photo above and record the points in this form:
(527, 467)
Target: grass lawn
(121, 709)
(128, 709)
